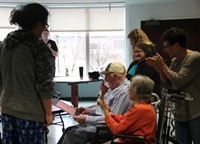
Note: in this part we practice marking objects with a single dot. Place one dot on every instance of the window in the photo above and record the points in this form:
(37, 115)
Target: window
(4, 32)
(72, 52)
(103, 48)
(88, 37)
(5, 26)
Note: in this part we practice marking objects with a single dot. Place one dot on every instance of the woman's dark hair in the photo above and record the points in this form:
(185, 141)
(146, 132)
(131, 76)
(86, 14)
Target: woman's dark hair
(29, 15)
(175, 35)
(148, 48)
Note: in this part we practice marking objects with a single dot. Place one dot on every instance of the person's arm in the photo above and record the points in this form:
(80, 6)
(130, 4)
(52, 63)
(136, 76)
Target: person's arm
(164, 79)
(44, 84)
(129, 120)
(54, 53)
(187, 70)
(158, 64)
(96, 116)
(0, 68)
(117, 117)
(137, 118)
(53, 48)
(84, 110)
(47, 103)
(104, 106)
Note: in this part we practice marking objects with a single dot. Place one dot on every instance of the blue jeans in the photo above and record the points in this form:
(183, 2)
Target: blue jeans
(188, 131)
(21, 131)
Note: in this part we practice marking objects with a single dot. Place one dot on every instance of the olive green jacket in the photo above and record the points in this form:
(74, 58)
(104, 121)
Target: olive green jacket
(25, 75)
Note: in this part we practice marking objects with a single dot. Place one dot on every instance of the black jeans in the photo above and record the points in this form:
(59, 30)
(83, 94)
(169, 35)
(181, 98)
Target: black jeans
(186, 132)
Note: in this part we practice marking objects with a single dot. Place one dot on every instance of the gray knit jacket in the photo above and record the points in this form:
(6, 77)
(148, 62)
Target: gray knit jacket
(25, 75)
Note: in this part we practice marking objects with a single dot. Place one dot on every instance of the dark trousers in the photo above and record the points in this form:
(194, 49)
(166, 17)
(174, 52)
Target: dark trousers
(81, 134)
(186, 132)
(78, 134)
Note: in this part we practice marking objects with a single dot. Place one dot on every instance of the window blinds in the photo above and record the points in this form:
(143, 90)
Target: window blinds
(86, 19)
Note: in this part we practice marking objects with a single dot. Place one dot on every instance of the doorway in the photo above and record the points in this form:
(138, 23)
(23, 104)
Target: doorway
(155, 28)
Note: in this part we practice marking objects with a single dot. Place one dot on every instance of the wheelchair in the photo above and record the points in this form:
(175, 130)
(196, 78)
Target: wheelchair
(165, 123)
(103, 134)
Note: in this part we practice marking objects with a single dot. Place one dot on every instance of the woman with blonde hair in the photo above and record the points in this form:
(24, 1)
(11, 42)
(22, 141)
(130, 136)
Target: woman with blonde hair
(137, 35)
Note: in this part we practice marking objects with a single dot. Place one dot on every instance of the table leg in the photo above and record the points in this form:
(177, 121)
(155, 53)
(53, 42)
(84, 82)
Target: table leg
(74, 94)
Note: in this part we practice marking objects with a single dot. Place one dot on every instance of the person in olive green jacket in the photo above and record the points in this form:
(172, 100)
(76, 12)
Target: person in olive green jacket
(26, 78)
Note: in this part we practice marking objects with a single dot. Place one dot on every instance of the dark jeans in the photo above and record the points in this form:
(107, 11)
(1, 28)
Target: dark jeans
(78, 134)
(81, 134)
(186, 132)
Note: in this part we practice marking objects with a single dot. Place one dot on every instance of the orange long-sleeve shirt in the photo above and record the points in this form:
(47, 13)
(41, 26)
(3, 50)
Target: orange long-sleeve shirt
(139, 120)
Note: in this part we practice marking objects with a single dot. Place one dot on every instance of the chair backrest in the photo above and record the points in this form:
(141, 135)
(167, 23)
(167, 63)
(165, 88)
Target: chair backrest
(158, 106)
(156, 101)
(161, 120)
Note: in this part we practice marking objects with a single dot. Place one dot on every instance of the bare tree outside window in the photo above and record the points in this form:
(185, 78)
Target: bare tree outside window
(71, 46)
(104, 47)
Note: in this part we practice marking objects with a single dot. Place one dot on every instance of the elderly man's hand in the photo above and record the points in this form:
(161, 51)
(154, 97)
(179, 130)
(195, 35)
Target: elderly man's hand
(80, 118)
(84, 110)
(104, 88)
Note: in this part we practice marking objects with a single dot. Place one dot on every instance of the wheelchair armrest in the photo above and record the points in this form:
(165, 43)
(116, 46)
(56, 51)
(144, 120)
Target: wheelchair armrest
(103, 134)
(133, 137)
(130, 138)
(101, 126)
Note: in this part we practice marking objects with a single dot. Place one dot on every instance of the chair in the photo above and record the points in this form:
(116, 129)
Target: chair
(56, 94)
(57, 112)
(134, 138)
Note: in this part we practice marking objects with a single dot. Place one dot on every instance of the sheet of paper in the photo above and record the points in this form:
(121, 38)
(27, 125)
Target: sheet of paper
(64, 106)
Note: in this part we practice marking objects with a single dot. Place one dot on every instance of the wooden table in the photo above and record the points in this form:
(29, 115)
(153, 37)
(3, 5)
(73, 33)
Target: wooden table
(73, 82)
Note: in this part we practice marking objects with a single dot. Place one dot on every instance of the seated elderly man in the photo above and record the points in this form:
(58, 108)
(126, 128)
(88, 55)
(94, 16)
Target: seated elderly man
(115, 92)
(140, 119)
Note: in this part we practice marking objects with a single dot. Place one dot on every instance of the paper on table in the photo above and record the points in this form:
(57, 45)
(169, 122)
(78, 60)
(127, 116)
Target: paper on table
(65, 107)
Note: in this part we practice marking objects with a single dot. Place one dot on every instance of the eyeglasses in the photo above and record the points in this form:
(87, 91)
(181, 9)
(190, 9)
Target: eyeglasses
(132, 42)
(137, 51)
(166, 46)
(47, 26)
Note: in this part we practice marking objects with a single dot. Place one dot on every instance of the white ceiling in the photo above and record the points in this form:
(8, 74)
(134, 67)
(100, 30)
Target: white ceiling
(59, 1)
(81, 1)
(70, 3)
(85, 2)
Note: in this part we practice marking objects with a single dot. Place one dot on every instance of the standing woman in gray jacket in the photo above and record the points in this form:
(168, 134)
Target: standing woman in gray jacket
(26, 78)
